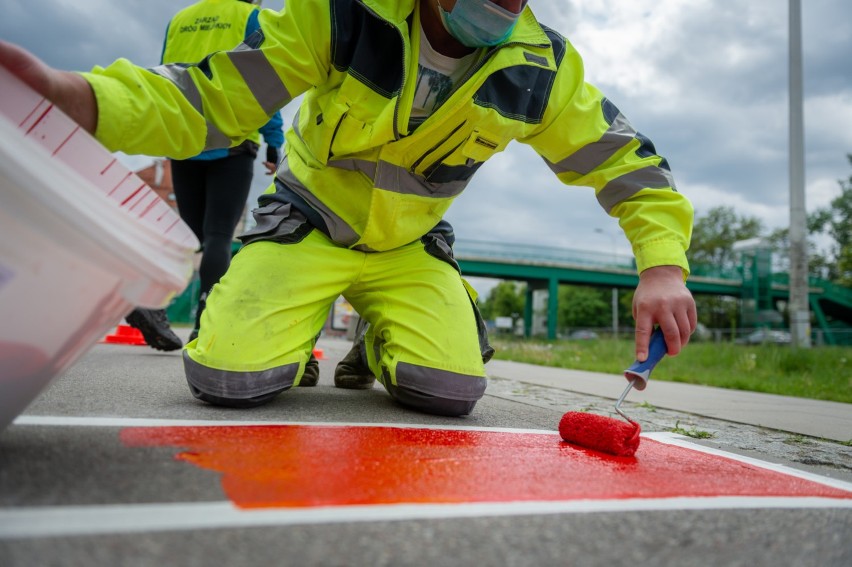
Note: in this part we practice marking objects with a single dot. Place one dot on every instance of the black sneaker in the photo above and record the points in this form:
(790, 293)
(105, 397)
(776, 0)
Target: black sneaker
(311, 375)
(154, 326)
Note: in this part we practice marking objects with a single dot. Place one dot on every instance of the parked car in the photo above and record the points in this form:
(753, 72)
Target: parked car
(583, 335)
(702, 333)
(766, 336)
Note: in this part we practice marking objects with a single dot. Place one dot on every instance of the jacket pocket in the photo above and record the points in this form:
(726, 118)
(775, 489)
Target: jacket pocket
(318, 124)
(277, 222)
(481, 145)
(439, 151)
(457, 162)
(350, 136)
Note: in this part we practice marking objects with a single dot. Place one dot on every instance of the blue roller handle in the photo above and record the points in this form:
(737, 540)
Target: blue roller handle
(640, 372)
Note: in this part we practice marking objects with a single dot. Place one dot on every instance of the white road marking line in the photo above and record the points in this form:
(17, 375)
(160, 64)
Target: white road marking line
(45, 521)
(144, 422)
(61, 521)
(681, 441)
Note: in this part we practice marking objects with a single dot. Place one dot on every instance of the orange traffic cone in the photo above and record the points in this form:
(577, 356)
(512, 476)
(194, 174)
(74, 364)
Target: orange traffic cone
(318, 354)
(125, 335)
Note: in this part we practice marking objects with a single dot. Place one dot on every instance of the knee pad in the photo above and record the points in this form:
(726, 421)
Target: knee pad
(434, 391)
(233, 402)
(431, 404)
(237, 389)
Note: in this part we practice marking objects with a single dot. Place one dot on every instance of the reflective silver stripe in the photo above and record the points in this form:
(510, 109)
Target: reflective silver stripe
(440, 383)
(238, 385)
(296, 125)
(179, 75)
(215, 138)
(364, 166)
(394, 178)
(181, 78)
(338, 229)
(260, 77)
(627, 185)
(398, 179)
(590, 157)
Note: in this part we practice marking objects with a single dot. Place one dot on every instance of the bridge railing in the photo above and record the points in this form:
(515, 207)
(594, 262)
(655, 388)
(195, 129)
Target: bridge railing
(553, 255)
(839, 292)
(717, 272)
(529, 253)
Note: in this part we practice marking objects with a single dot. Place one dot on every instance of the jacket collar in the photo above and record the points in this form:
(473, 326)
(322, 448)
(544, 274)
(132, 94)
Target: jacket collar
(527, 30)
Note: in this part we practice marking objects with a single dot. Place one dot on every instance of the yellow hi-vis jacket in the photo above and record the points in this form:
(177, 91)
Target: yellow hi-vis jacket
(215, 25)
(349, 155)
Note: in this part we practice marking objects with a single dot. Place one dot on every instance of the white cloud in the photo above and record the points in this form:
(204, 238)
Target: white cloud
(706, 80)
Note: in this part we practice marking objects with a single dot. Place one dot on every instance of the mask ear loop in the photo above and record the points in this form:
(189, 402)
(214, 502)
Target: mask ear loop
(500, 10)
(495, 5)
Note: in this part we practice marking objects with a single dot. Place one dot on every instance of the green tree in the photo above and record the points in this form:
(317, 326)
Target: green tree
(834, 222)
(711, 249)
(581, 306)
(506, 299)
(714, 234)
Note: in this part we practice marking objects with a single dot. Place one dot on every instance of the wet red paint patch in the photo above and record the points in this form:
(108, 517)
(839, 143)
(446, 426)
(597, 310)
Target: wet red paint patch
(276, 466)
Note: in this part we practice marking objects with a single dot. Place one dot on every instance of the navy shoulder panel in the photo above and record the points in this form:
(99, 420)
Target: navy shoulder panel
(366, 47)
(646, 146)
(521, 92)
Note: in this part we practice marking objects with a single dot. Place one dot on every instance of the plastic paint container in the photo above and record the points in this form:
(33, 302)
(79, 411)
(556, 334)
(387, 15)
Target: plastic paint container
(82, 242)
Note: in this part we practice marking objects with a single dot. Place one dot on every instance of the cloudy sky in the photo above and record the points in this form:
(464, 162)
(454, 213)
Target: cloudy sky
(706, 80)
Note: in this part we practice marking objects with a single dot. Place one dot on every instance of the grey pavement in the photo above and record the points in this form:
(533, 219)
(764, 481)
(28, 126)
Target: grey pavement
(50, 467)
(810, 435)
(814, 418)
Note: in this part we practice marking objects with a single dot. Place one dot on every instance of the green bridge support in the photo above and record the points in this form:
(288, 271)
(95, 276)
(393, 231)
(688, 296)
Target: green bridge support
(552, 307)
(543, 267)
(547, 268)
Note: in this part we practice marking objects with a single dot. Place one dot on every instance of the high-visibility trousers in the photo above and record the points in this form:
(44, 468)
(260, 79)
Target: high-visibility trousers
(261, 321)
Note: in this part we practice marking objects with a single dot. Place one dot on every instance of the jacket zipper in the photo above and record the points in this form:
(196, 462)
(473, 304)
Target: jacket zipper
(436, 146)
(396, 135)
(480, 64)
(477, 66)
(336, 130)
(428, 173)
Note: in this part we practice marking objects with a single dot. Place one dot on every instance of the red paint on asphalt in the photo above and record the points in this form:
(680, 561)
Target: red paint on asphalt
(307, 465)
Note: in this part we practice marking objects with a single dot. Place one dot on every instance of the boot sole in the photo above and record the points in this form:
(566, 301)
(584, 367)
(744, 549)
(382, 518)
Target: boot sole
(354, 385)
(153, 337)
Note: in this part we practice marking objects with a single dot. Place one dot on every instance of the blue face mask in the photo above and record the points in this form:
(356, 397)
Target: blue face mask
(479, 23)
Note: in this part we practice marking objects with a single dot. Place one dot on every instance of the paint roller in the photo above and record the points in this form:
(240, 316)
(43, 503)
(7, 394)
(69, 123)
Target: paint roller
(607, 434)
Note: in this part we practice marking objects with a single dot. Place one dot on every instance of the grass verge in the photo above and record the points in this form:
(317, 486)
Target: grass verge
(822, 373)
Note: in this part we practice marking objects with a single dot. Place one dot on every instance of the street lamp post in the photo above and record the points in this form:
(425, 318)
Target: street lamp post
(799, 314)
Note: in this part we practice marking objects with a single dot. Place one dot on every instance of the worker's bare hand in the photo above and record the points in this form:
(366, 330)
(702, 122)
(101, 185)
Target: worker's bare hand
(662, 299)
(70, 92)
(270, 167)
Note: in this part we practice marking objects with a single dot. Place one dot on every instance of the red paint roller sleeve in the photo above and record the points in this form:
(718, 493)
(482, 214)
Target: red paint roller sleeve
(600, 433)
(608, 435)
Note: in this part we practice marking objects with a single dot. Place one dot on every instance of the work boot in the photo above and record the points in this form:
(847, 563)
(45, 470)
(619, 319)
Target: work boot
(154, 326)
(311, 375)
(352, 373)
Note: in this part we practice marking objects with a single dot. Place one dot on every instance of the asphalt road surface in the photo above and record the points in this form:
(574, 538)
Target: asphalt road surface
(89, 475)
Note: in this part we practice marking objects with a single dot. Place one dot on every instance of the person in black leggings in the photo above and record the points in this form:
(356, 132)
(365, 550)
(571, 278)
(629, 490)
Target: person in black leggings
(211, 197)
(211, 188)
